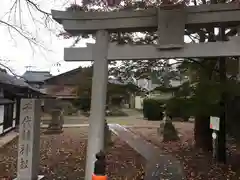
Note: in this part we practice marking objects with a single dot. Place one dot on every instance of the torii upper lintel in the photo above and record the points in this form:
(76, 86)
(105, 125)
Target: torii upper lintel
(196, 16)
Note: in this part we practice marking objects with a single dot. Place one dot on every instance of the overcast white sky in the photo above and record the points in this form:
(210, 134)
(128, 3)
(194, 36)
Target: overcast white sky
(19, 52)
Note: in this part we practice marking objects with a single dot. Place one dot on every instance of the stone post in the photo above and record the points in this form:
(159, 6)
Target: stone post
(98, 100)
(169, 132)
(29, 140)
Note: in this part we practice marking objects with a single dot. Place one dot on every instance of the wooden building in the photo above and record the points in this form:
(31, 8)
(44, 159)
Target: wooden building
(12, 89)
(78, 82)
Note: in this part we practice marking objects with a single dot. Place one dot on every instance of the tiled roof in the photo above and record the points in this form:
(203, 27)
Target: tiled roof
(36, 76)
(72, 77)
(6, 78)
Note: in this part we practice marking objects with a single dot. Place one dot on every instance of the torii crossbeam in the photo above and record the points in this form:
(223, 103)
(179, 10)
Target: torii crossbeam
(141, 52)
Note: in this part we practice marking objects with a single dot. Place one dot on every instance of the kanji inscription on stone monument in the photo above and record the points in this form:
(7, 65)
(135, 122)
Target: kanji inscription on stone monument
(25, 134)
(29, 139)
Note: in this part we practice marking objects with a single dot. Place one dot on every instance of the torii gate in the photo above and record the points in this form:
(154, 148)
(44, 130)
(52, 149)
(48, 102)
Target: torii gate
(170, 24)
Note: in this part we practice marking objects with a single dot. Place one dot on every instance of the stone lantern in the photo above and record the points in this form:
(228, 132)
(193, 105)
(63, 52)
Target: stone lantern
(56, 123)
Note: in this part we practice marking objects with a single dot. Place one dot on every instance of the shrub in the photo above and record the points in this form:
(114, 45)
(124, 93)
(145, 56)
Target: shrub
(152, 109)
(179, 108)
(186, 107)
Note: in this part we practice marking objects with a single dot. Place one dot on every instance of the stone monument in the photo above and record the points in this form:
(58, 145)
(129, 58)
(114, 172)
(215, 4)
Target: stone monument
(29, 140)
(167, 129)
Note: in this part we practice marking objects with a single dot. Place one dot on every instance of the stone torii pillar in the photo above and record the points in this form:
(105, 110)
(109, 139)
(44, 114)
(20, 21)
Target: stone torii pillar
(98, 100)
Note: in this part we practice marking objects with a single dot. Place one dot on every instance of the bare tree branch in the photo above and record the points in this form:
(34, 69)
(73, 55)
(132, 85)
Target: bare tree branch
(15, 22)
(18, 30)
(37, 7)
(9, 69)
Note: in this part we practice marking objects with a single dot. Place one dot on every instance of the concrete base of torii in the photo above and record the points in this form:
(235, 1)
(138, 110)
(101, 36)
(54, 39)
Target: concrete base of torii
(98, 101)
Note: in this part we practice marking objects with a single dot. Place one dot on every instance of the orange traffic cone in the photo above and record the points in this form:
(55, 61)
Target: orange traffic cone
(98, 177)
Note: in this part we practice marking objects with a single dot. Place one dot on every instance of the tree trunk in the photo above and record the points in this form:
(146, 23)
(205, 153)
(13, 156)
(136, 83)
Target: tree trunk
(202, 133)
(221, 149)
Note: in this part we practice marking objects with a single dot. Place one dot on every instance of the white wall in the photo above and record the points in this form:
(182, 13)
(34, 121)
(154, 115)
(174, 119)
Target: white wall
(1, 111)
(14, 113)
(1, 118)
(138, 102)
(14, 110)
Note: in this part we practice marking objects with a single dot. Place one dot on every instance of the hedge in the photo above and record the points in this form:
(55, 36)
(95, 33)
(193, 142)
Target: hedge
(152, 109)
